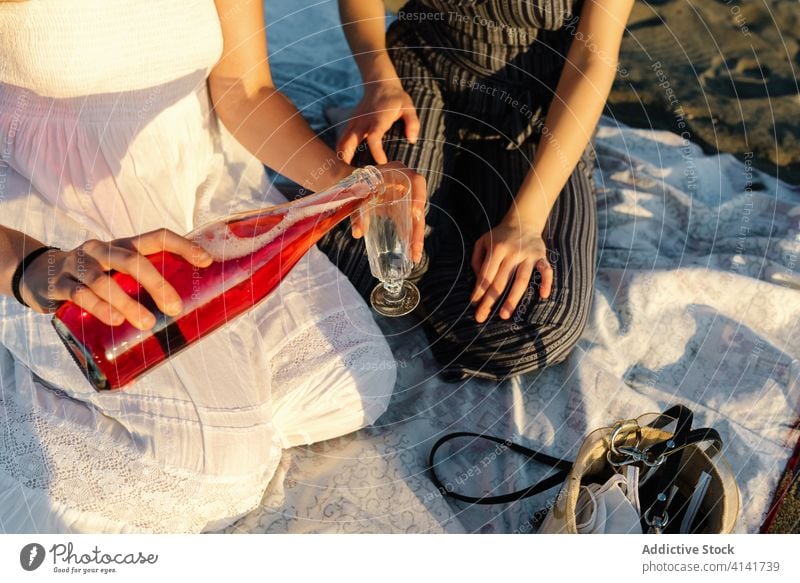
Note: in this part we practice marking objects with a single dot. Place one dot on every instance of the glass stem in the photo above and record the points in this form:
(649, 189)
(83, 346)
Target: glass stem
(395, 291)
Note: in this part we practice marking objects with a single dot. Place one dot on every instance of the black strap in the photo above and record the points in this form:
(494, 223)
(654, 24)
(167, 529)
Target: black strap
(562, 465)
(679, 412)
(656, 516)
(16, 279)
(677, 443)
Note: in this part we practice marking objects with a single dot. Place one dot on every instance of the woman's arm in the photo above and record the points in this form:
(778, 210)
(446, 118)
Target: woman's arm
(364, 25)
(14, 246)
(260, 117)
(265, 122)
(385, 101)
(580, 97)
(515, 247)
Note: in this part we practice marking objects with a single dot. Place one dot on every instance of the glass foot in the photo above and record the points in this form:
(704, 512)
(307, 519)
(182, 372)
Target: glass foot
(393, 306)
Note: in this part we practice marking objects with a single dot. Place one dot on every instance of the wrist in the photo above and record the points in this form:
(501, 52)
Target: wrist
(531, 207)
(334, 174)
(27, 278)
(377, 71)
(522, 217)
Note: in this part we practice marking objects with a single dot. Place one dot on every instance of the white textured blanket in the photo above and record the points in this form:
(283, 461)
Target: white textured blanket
(696, 301)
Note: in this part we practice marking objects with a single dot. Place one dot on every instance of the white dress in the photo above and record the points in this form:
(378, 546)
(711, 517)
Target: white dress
(106, 131)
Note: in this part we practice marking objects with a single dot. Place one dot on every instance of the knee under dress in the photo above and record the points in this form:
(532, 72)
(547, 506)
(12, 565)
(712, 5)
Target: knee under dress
(106, 130)
(482, 74)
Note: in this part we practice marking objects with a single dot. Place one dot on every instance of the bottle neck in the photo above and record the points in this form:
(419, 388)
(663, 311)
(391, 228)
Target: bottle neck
(373, 177)
(362, 184)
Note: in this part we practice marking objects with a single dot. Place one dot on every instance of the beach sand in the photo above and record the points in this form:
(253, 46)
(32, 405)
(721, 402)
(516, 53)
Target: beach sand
(732, 68)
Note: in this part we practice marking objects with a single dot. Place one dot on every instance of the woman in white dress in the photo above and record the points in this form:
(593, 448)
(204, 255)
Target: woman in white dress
(113, 117)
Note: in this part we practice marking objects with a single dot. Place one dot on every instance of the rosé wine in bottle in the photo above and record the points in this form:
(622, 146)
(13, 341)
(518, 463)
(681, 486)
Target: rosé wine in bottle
(253, 251)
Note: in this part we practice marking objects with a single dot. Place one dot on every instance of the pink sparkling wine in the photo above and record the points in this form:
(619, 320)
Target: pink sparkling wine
(253, 251)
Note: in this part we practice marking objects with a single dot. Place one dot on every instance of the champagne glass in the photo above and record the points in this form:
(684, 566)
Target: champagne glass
(387, 225)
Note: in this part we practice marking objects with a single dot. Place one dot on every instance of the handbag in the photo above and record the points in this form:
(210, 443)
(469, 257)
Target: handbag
(653, 474)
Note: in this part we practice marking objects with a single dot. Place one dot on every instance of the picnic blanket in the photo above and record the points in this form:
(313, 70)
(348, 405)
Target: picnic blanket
(696, 301)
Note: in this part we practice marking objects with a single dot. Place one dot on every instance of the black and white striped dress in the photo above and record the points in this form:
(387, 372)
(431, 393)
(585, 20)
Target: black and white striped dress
(482, 74)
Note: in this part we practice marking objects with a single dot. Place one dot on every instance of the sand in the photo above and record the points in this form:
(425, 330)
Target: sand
(728, 68)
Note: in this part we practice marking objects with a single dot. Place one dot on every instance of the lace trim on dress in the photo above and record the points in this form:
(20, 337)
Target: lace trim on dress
(91, 473)
(337, 340)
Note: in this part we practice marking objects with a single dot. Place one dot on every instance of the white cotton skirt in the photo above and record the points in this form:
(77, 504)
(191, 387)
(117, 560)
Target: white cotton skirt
(191, 445)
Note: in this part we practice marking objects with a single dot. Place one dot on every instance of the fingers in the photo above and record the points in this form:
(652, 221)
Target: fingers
(349, 141)
(487, 273)
(356, 133)
(522, 278)
(412, 124)
(356, 225)
(495, 290)
(376, 145)
(89, 269)
(378, 130)
(166, 240)
(137, 266)
(546, 271)
(419, 197)
(478, 256)
(86, 299)
(88, 278)
(100, 290)
(134, 264)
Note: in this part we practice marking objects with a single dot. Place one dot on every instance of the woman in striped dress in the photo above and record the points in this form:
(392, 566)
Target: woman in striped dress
(495, 102)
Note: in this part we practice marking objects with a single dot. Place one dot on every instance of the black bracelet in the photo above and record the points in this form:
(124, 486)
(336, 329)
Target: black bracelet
(16, 279)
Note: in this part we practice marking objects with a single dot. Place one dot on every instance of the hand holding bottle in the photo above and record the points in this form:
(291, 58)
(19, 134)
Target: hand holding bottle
(248, 254)
(82, 276)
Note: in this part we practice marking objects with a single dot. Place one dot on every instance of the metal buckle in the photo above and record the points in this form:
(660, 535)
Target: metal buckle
(631, 455)
(624, 455)
(628, 426)
(659, 523)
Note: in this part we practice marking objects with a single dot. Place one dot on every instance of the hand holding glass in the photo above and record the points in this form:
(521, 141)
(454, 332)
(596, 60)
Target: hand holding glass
(386, 222)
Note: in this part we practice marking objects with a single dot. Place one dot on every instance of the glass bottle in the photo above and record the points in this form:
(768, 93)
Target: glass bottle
(253, 251)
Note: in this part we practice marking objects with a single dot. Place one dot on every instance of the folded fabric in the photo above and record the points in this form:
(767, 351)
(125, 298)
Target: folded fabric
(612, 507)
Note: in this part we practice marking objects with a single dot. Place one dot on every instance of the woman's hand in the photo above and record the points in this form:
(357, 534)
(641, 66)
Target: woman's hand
(393, 173)
(82, 276)
(509, 251)
(383, 104)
